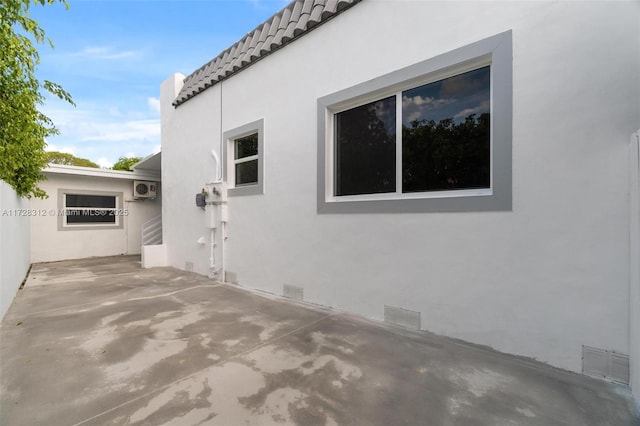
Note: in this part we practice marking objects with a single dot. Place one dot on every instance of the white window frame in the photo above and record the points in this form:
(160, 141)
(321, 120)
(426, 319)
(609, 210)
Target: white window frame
(63, 225)
(237, 161)
(496, 52)
(230, 138)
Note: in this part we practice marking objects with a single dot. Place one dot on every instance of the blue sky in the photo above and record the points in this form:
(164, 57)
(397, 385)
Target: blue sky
(112, 55)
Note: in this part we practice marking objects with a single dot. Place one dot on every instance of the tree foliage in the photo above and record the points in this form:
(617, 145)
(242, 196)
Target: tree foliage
(55, 157)
(23, 128)
(446, 155)
(125, 163)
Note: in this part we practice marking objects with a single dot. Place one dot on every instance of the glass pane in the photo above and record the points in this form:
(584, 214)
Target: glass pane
(90, 216)
(446, 134)
(247, 173)
(247, 146)
(366, 149)
(80, 200)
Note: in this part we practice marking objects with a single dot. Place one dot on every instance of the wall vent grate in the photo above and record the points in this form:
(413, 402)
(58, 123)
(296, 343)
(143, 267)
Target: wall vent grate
(402, 317)
(188, 266)
(607, 364)
(293, 292)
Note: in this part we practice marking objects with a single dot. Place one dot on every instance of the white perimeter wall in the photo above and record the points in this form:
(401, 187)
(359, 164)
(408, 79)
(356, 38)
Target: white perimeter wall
(14, 244)
(540, 281)
(50, 244)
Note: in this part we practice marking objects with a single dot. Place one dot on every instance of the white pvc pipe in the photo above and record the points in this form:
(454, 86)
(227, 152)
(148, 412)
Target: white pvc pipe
(212, 256)
(218, 178)
(634, 266)
(222, 269)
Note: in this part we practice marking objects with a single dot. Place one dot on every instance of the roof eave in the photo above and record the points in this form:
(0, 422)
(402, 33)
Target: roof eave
(248, 57)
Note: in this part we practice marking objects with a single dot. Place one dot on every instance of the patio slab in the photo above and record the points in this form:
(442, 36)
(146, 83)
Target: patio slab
(101, 341)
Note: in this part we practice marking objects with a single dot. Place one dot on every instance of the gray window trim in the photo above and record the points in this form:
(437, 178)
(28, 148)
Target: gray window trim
(229, 137)
(495, 50)
(80, 227)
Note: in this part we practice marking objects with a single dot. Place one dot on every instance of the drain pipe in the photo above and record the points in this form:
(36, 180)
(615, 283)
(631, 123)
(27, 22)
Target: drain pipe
(634, 266)
(224, 217)
(217, 195)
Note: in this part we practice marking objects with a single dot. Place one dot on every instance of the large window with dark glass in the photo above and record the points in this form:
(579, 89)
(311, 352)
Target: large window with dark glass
(366, 148)
(443, 131)
(83, 209)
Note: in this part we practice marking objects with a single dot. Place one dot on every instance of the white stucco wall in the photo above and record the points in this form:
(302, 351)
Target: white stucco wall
(540, 281)
(14, 244)
(189, 168)
(48, 243)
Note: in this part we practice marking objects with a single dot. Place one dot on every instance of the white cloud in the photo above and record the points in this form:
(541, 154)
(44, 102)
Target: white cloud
(425, 102)
(483, 107)
(104, 163)
(106, 53)
(416, 107)
(66, 149)
(114, 112)
(154, 104)
(96, 125)
(90, 131)
(414, 116)
(156, 149)
(123, 131)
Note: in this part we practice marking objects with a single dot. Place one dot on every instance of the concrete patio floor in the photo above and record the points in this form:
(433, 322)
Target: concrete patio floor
(101, 341)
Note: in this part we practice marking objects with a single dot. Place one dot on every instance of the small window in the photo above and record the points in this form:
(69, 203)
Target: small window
(244, 172)
(89, 210)
(246, 160)
(80, 208)
(435, 136)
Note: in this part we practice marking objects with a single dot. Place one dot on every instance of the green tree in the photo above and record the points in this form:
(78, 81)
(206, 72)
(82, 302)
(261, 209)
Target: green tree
(23, 128)
(125, 163)
(55, 157)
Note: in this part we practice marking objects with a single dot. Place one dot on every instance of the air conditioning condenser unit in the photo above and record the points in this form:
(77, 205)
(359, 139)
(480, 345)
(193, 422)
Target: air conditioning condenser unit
(144, 189)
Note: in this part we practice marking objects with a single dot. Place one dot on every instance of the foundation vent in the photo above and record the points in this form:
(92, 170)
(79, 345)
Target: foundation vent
(607, 364)
(230, 277)
(402, 317)
(293, 292)
(188, 266)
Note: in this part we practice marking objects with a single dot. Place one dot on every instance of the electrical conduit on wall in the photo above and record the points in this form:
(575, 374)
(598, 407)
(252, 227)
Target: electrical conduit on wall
(634, 265)
(216, 213)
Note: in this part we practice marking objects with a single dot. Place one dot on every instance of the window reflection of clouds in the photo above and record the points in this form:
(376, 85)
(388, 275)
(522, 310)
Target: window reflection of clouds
(483, 107)
(455, 97)
(386, 112)
(414, 108)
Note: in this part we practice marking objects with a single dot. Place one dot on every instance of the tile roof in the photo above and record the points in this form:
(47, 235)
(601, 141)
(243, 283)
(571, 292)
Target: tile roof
(295, 20)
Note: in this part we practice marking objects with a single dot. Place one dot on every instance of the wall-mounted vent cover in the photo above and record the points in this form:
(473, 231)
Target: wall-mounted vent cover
(602, 363)
(188, 266)
(402, 317)
(292, 292)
